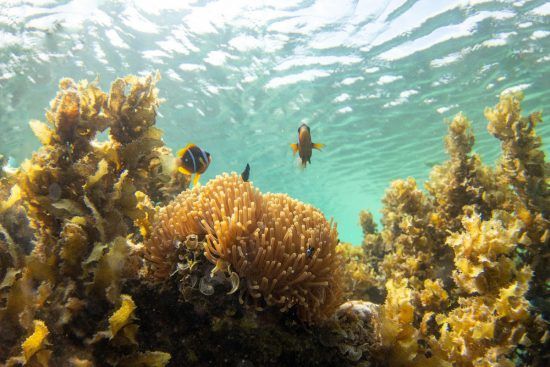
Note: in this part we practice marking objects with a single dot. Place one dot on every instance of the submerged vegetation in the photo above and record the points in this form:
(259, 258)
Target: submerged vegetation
(107, 257)
(466, 265)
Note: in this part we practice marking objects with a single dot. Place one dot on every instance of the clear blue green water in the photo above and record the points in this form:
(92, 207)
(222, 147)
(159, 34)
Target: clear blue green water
(374, 80)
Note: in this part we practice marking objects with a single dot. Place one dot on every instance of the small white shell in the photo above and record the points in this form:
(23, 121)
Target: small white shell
(235, 281)
(205, 287)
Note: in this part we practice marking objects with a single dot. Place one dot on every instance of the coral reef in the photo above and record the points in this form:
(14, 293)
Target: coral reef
(462, 180)
(108, 259)
(466, 265)
(493, 289)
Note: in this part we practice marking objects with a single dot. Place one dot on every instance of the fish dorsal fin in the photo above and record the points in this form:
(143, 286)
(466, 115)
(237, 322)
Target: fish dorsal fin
(246, 173)
(318, 146)
(294, 147)
(181, 152)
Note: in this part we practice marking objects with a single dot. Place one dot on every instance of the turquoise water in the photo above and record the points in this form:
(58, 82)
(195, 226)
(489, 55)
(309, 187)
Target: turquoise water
(374, 80)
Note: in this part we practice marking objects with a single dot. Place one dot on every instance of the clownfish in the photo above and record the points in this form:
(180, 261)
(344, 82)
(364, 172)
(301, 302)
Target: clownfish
(193, 160)
(304, 145)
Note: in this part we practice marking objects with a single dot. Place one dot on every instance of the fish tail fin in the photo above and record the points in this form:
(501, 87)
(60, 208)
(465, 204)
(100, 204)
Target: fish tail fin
(196, 180)
(184, 171)
(318, 146)
(294, 147)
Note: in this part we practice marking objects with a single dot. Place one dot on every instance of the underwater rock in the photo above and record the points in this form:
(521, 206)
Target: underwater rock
(354, 330)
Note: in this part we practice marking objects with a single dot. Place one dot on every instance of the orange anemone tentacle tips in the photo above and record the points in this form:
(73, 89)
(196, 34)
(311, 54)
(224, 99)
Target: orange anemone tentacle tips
(267, 239)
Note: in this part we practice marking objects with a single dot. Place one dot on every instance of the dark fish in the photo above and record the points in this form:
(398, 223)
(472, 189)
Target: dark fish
(304, 146)
(246, 173)
(193, 160)
(310, 250)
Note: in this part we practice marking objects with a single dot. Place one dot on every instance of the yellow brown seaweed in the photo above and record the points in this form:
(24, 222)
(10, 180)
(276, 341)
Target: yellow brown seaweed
(146, 359)
(35, 343)
(359, 278)
(79, 197)
(460, 260)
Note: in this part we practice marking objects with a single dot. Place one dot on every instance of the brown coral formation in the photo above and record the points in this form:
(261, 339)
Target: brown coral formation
(463, 262)
(461, 181)
(283, 251)
(523, 162)
(412, 238)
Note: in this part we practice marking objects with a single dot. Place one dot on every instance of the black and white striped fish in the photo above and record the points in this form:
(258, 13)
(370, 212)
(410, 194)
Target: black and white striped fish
(193, 160)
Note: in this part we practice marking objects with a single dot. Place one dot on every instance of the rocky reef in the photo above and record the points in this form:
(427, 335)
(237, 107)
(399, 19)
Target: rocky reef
(107, 258)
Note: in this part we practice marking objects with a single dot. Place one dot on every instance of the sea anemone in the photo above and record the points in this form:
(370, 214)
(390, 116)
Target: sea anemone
(284, 251)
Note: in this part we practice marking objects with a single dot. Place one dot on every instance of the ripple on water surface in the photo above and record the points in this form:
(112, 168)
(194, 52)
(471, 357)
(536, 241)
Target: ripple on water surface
(374, 80)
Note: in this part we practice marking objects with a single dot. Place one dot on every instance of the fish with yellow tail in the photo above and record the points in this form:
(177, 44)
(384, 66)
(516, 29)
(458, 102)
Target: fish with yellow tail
(304, 146)
(193, 160)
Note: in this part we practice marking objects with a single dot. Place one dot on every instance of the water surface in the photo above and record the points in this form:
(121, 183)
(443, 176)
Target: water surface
(374, 80)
